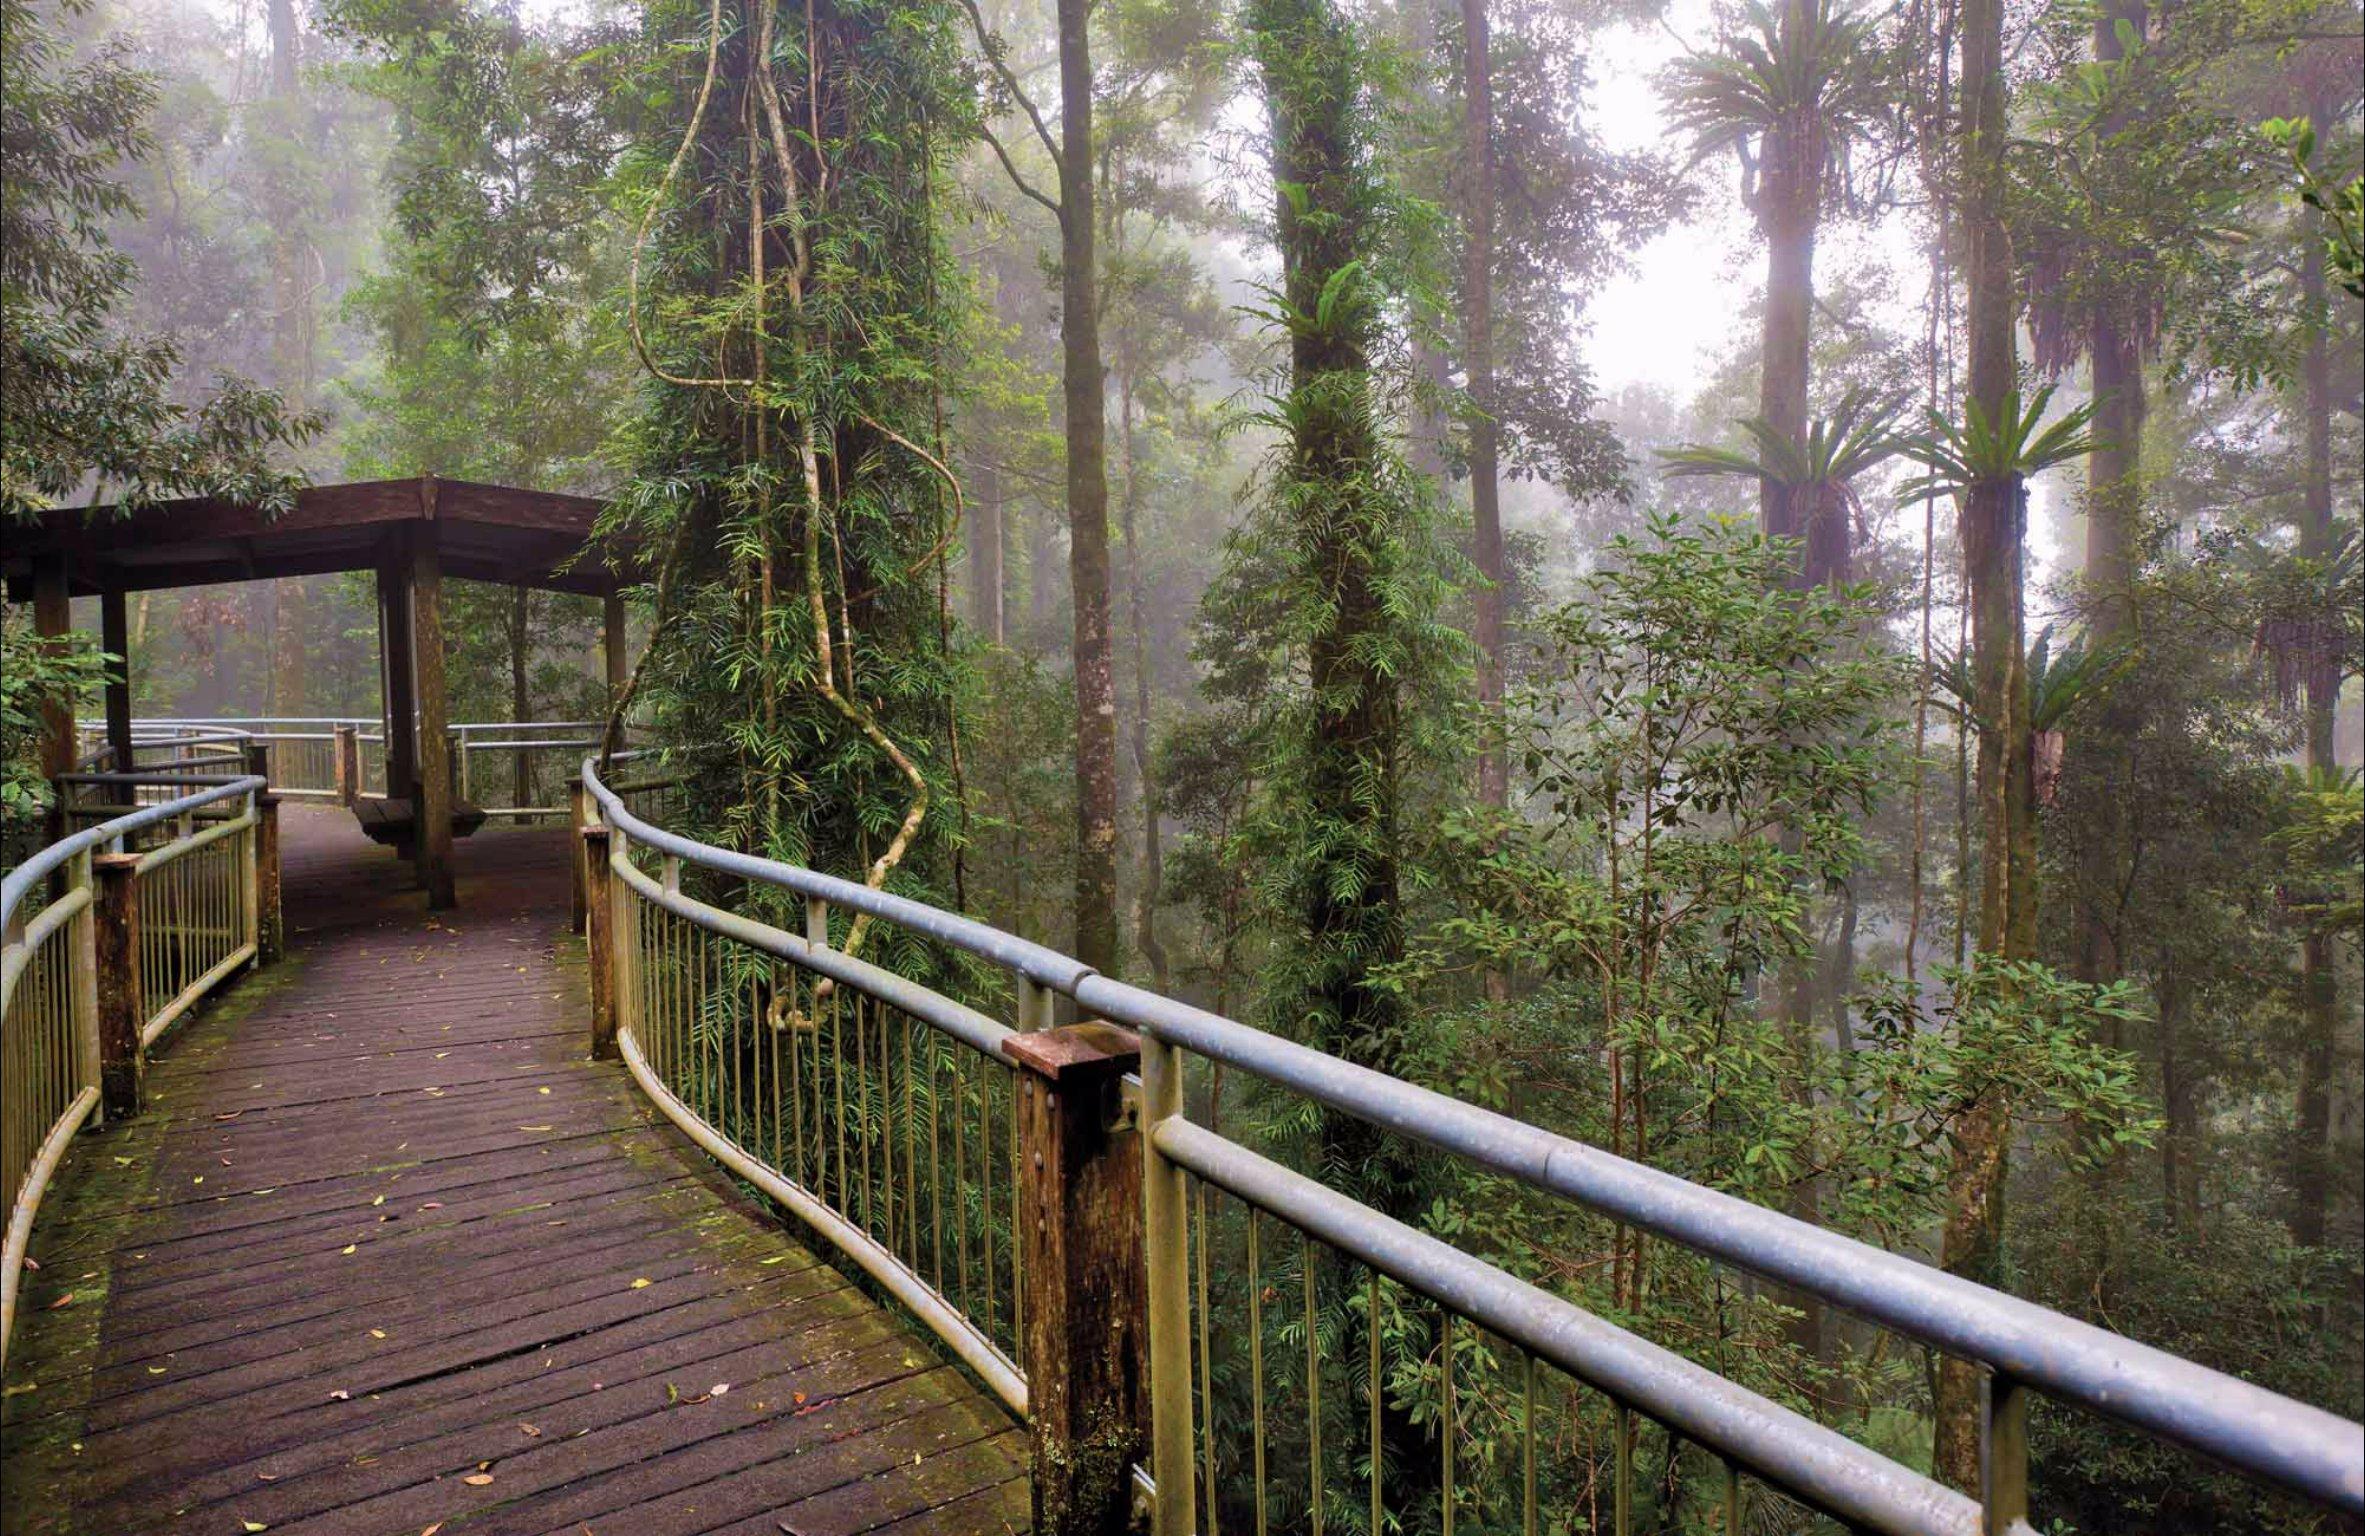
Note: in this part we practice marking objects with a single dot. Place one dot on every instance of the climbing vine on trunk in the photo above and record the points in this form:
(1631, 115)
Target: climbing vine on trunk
(789, 300)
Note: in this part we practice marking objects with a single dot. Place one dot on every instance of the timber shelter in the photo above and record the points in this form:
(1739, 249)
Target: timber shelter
(410, 533)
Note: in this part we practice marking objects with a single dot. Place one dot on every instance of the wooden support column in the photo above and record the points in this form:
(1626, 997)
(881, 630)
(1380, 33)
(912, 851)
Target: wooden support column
(599, 939)
(1086, 1344)
(394, 661)
(348, 741)
(431, 823)
(619, 667)
(122, 1061)
(115, 639)
(53, 619)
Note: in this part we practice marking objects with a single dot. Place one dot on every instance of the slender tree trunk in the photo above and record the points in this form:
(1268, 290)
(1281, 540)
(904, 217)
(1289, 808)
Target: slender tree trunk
(1993, 533)
(1153, 859)
(2180, 1159)
(291, 330)
(1088, 502)
(2311, 1151)
(1789, 194)
(1478, 336)
(985, 550)
(521, 641)
(2114, 525)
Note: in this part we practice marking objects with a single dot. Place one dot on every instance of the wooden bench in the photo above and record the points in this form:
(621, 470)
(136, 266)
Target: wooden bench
(389, 821)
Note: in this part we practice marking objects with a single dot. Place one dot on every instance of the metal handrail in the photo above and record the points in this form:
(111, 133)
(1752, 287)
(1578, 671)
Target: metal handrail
(23, 879)
(49, 965)
(2288, 1444)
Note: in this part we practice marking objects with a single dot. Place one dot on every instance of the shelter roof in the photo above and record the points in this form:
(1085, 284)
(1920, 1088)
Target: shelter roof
(484, 532)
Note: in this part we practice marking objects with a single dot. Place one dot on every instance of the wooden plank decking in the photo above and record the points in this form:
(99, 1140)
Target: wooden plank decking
(386, 1252)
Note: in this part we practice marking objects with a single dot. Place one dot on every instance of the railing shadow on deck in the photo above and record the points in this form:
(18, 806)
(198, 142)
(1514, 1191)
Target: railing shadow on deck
(1029, 1193)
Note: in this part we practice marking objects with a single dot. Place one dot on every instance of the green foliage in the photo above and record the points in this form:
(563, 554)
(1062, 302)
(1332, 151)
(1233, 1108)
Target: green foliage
(2020, 443)
(2342, 208)
(2323, 838)
(78, 399)
(1815, 70)
(34, 674)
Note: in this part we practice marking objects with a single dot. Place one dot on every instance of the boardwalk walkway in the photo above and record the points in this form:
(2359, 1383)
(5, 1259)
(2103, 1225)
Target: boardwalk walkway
(387, 1254)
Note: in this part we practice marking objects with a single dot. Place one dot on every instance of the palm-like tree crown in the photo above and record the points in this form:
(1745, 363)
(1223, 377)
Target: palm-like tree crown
(1808, 74)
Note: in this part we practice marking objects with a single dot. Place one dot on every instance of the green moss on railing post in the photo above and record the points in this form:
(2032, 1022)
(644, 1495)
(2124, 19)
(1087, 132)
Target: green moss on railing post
(121, 1007)
(270, 919)
(600, 940)
(1085, 1347)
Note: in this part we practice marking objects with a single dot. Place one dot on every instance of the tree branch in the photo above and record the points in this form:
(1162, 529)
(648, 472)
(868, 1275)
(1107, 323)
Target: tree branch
(1019, 181)
(1026, 103)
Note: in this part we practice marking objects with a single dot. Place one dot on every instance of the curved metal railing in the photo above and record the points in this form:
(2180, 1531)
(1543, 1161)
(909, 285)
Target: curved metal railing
(507, 768)
(684, 1039)
(190, 876)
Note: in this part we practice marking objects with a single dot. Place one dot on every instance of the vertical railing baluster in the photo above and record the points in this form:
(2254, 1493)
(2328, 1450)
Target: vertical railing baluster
(2003, 1455)
(1165, 1235)
(1256, 1371)
(1313, 1390)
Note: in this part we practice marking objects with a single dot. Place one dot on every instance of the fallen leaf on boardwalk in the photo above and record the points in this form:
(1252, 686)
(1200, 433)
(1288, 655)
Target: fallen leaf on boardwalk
(431, 1530)
(377, 1333)
(432, 1205)
(349, 1247)
(232, 1115)
(198, 1180)
(673, 1394)
(273, 1190)
(66, 1300)
(155, 1370)
(533, 1127)
(541, 1090)
(477, 1479)
(123, 1162)
(718, 1389)
(341, 1396)
(254, 1525)
(268, 1477)
(643, 1283)
(381, 1200)
(530, 1430)
(800, 1398)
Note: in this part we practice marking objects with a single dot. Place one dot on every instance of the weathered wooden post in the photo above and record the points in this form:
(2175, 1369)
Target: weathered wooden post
(121, 1009)
(1085, 1349)
(599, 938)
(348, 764)
(579, 817)
(270, 920)
(84, 963)
(258, 760)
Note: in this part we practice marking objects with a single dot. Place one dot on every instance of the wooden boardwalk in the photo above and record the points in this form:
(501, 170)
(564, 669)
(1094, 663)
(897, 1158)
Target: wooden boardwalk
(387, 1255)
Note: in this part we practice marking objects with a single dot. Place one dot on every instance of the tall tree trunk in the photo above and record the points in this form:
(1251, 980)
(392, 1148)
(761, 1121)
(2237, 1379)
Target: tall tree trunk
(985, 550)
(521, 640)
(1478, 340)
(288, 646)
(1993, 516)
(1153, 859)
(2311, 1149)
(2180, 1149)
(2114, 520)
(1790, 188)
(1344, 532)
(291, 322)
(1088, 502)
